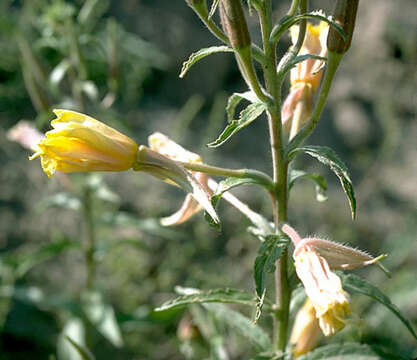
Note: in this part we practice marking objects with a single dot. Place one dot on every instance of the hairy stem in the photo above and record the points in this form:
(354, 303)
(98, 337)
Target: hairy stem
(280, 169)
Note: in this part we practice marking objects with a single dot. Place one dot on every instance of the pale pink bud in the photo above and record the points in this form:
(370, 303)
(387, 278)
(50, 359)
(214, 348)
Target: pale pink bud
(306, 330)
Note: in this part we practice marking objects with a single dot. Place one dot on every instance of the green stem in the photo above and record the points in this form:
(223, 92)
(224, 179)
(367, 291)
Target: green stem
(89, 245)
(280, 170)
(259, 176)
(333, 60)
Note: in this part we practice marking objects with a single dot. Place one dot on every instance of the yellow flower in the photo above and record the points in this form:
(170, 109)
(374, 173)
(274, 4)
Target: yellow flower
(305, 76)
(313, 260)
(324, 289)
(306, 331)
(81, 143)
(308, 72)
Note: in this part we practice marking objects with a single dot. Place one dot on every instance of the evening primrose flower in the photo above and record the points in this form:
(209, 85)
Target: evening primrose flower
(313, 260)
(81, 143)
(305, 76)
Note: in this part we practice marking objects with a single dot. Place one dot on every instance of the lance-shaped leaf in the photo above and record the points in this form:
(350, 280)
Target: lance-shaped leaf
(289, 21)
(200, 54)
(213, 8)
(247, 116)
(235, 99)
(328, 157)
(168, 170)
(232, 296)
(269, 252)
(355, 284)
(289, 62)
(320, 181)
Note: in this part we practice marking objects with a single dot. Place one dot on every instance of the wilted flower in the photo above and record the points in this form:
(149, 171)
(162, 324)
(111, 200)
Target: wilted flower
(306, 331)
(313, 259)
(306, 75)
(81, 143)
(169, 148)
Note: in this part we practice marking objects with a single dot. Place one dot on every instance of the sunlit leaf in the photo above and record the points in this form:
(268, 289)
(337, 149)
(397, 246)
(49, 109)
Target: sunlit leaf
(328, 157)
(213, 8)
(247, 116)
(288, 21)
(235, 99)
(269, 252)
(200, 54)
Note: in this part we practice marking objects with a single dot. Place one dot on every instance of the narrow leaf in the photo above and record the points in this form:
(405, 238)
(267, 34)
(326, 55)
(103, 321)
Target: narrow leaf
(227, 185)
(213, 8)
(269, 252)
(320, 181)
(345, 351)
(355, 284)
(290, 61)
(82, 351)
(216, 295)
(289, 21)
(328, 157)
(251, 113)
(200, 54)
(234, 101)
(241, 325)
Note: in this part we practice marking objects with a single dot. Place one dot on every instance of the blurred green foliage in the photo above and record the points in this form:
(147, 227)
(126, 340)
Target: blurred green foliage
(119, 62)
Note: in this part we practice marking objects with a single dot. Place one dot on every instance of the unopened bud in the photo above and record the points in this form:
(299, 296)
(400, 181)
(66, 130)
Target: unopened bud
(345, 15)
(234, 23)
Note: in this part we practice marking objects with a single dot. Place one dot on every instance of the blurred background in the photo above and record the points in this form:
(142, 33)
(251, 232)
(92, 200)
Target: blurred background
(119, 61)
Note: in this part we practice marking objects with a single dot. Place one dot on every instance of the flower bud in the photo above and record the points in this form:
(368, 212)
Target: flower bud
(306, 331)
(234, 23)
(345, 15)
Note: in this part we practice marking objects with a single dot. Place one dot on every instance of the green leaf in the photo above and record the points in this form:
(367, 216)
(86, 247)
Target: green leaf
(216, 295)
(346, 351)
(234, 101)
(241, 325)
(228, 184)
(200, 54)
(320, 181)
(328, 157)
(289, 21)
(251, 113)
(269, 252)
(289, 62)
(213, 8)
(82, 351)
(355, 284)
